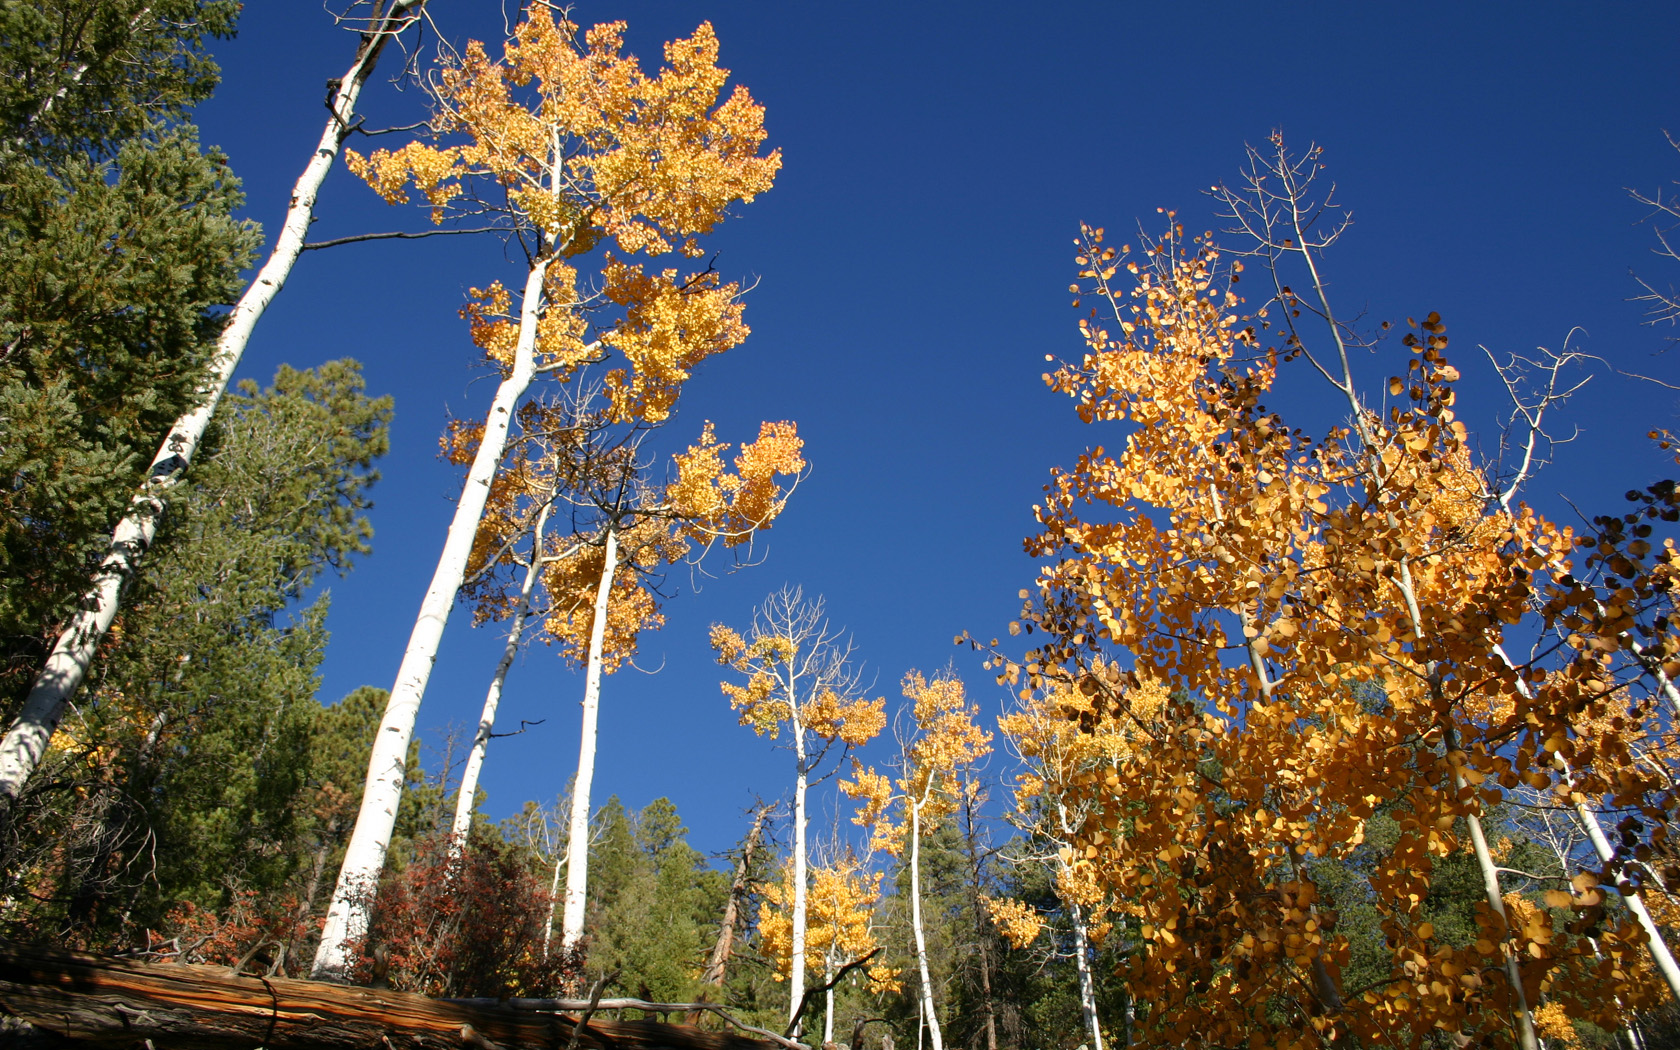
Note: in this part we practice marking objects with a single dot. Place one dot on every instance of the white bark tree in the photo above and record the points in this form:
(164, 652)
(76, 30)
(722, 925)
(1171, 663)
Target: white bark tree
(562, 147)
(943, 743)
(67, 665)
(799, 678)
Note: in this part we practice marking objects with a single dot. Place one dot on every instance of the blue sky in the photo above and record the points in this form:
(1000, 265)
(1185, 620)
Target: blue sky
(912, 265)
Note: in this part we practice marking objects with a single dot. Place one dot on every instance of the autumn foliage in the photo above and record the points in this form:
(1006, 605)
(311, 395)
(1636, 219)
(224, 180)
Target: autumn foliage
(1329, 618)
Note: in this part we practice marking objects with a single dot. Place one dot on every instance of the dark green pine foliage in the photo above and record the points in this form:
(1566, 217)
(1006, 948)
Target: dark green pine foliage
(654, 902)
(80, 77)
(110, 279)
(117, 248)
(199, 764)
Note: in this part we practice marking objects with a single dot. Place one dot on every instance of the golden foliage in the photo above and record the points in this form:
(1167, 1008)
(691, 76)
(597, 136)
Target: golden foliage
(1015, 920)
(572, 582)
(840, 921)
(946, 741)
(1306, 623)
(710, 504)
(572, 143)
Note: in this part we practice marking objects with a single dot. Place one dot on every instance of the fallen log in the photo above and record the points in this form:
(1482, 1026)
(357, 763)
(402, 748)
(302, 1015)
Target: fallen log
(89, 1000)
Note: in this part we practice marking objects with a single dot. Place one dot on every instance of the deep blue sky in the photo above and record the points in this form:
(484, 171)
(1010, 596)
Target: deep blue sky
(913, 261)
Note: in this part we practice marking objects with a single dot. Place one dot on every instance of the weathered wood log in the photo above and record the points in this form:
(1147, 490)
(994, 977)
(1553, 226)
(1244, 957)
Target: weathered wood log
(95, 1001)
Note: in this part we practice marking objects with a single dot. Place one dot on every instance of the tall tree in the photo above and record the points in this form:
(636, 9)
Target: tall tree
(110, 275)
(78, 639)
(944, 742)
(842, 927)
(799, 677)
(194, 748)
(569, 146)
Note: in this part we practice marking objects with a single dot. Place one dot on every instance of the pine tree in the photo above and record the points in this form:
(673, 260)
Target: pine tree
(84, 76)
(196, 744)
(109, 276)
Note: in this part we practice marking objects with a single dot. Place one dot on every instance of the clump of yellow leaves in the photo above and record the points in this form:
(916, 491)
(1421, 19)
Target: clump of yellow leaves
(947, 739)
(772, 663)
(1311, 631)
(842, 903)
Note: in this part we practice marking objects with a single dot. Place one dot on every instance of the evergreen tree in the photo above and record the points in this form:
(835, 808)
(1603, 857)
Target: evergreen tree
(80, 77)
(109, 274)
(654, 902)
(200, 736)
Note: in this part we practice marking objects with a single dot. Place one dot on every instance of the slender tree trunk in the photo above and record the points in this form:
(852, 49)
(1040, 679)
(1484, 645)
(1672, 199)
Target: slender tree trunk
(553, 898)
(916, 924)
(467, 796)
(67, 664)
(1522, 1015)
(1656, 945)
(719, 961)
(828, 998)
(982, 936)
(796, 965)
(577, 864)
(1087, 985)
(365, 855)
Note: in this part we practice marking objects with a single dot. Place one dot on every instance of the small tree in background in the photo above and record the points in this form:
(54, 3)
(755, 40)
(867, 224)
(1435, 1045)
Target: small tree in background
(943, 742)
(799, 677)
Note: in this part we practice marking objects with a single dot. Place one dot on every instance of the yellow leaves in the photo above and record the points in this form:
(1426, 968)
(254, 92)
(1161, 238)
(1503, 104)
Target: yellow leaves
(841, 902)
(670, 325)
(1015, 920)
(572, 582)
(712, 504)
(854, 721)
(388, 172)
(947, 736)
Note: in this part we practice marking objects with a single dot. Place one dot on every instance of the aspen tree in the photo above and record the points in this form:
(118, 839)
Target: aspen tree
(570, 147)
(841, 900)
(799, 676)
(642, 528)
(1365, 582)
(72, 652)
(1058, 738)
(945, 740)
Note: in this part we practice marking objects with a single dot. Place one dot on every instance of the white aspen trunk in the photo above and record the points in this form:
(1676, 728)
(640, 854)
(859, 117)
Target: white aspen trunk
(365, 855)
(1607, 853)
(916, 923)
(553, 897)
(1658, 947)
(796, 965)
(1523, 1017)
(1087, 986)
(828, 1000)
(26, 741)
(577, 866)
(465, 798)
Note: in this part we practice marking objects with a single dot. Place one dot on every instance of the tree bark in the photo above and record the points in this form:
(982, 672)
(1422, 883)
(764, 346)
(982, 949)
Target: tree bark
(26, 741)
(928, 1015)
(1523, 1017)
(577, 861)
(365, 856)
(1087, 986)
(465, 798)
(93, 1001)
(801, 893)
(718, 963)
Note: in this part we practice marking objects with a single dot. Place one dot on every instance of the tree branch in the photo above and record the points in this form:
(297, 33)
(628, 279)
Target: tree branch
(798, 1014)
(397, 235)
